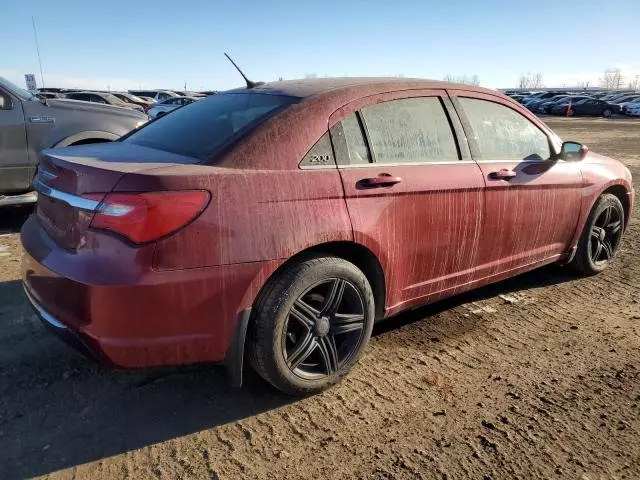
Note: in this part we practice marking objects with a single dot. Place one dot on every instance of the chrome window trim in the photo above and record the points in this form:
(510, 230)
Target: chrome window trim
(407, 164)
(68, 198)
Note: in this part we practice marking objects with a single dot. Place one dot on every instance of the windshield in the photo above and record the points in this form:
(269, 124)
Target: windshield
(112, 99)
(15, 89)
(200, 129)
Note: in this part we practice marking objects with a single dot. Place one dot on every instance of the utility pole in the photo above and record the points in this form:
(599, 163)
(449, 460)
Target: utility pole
(35, 35)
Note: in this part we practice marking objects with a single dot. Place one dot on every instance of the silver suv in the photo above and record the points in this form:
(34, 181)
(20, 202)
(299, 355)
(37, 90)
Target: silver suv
(29, 124)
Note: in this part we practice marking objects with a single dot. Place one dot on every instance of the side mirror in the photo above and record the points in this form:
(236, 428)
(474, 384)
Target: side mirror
(573, 151)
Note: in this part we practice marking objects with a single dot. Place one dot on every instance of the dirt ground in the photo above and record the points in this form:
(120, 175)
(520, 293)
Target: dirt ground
(533, 377)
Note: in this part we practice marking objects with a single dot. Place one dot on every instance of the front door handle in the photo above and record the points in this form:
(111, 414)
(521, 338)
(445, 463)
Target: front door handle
(503, 174)
(382, 180)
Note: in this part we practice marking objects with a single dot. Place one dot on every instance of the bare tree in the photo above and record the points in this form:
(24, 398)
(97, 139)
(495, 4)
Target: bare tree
(611, 79)
(469, 80)
(584, 85)
(634, 83)
(531, 80)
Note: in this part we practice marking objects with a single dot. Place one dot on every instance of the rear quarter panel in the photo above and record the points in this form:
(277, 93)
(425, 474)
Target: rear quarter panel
(253, 215)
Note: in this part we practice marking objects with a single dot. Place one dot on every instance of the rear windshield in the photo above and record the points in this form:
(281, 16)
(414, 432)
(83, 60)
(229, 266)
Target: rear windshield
(200, 129)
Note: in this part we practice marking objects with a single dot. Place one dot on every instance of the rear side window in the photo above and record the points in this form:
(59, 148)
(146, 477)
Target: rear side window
(349, 141)
(501, 133)
(204, 127)
(411, 130)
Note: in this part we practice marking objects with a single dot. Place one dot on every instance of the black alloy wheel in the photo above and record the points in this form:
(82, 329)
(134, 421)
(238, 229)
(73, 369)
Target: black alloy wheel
(605, 235)
(601, 237)
(324, 329)
(311, 324)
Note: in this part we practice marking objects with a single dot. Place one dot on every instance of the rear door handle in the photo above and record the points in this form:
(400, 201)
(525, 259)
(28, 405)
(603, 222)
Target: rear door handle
(503, 174)
(382, 180)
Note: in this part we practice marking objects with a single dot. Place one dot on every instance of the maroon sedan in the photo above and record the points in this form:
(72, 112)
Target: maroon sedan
(283, 220)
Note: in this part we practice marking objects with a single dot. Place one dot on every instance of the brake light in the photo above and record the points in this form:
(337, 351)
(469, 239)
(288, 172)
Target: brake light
(146, 217)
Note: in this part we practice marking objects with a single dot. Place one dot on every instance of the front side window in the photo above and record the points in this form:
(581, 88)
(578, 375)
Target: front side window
(410, 130)
(501, 133)
(200, 129)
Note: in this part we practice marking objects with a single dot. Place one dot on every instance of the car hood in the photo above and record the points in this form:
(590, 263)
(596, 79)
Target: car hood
(68, 104)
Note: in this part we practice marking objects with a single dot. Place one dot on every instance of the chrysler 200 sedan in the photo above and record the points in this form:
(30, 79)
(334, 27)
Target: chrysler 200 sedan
(281, 222)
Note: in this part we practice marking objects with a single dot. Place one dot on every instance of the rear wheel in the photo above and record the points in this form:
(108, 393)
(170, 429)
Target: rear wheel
(600, 239)
(607, 112)
(570, 112)
(311, 324)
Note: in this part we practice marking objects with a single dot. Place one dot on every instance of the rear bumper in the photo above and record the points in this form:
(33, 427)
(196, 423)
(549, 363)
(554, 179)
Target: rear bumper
(105, 302)
(24, 199)
(64, 333)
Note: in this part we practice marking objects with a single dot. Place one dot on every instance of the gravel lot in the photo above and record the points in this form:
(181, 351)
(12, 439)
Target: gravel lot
(533, 377)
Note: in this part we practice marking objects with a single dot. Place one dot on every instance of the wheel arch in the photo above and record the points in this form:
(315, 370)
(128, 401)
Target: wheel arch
(89, 136)
(359, 255)
(620, 192)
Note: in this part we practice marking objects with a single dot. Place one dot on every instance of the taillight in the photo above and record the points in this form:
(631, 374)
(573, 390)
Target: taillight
(146, 217)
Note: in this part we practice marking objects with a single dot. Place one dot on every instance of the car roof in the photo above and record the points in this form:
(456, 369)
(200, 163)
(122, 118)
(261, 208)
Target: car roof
(311, 87)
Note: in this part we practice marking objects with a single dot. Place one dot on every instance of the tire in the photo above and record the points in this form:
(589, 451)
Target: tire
(607, 112)
(292, 318)
(600, 239)
(570, 112)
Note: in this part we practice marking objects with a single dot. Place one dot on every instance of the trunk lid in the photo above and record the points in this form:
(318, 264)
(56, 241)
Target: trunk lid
(67, 175)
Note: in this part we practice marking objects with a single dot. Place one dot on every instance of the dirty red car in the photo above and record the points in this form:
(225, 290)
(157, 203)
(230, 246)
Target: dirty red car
(278, 223)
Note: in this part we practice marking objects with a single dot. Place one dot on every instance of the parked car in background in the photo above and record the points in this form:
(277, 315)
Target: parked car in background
(622, 102)
(284, 220)
(624, 108)
(49, 95)
(187, 93)
(540, 96)
(535, 104)
(28, 124)
(633, 109)
(162, 108)
(104, 98)
(519, 98)
(156, 95)
(565, 106)
(543, 105)
(134, 100)
(592, 106)
(613, 97)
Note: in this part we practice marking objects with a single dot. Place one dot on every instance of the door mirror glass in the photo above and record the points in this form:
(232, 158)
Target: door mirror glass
(572, 151)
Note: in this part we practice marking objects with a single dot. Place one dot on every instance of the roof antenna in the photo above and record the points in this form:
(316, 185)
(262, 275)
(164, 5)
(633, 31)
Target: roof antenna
(250, 84)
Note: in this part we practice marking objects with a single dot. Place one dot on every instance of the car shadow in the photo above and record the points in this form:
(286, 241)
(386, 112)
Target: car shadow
(58, 409)
(12, 218)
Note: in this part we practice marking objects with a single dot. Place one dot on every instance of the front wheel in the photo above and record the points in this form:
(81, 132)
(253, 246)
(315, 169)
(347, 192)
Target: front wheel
(600, 239)
(311, 324)
(607, 113)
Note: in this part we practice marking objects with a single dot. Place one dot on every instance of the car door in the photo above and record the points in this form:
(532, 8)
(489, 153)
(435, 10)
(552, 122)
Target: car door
(14, 159)
(532, 199)
(414, 195)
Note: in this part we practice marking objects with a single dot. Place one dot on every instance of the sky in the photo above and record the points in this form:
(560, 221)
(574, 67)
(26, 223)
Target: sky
(163, 44)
